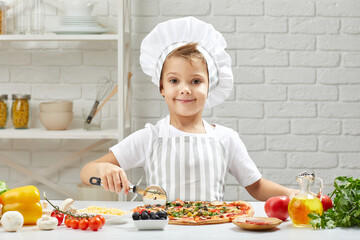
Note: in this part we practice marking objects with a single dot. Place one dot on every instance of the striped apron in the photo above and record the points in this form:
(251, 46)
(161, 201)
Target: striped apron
(189, 168)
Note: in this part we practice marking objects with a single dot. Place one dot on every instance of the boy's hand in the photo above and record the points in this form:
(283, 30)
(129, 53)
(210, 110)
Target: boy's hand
(113, 178)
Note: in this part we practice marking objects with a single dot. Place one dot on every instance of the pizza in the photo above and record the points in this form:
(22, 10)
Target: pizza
(199, 212)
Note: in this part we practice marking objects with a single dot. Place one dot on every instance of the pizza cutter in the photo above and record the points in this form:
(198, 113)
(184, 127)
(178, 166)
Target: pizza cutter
(151, 195)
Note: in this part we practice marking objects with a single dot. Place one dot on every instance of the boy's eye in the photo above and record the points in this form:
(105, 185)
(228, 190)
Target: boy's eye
(173, 81)
(196, 81)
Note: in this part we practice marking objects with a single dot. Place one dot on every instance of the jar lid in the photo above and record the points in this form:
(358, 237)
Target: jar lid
(21, 96)
(3, 97)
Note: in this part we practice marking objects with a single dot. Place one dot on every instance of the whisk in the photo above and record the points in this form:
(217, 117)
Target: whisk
(103, 87)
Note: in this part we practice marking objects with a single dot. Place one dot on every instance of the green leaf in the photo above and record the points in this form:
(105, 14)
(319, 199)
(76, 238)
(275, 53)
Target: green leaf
(346, 211)
(3, 187)
(315, 221)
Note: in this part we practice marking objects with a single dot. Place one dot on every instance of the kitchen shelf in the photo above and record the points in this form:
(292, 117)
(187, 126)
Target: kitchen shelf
(41, 133)
(55, 37)
(123, 39)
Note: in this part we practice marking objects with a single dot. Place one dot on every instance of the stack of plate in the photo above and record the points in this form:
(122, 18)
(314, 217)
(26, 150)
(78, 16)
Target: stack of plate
(78, 25)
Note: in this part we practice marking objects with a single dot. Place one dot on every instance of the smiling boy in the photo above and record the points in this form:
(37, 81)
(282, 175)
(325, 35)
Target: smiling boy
(182, 153)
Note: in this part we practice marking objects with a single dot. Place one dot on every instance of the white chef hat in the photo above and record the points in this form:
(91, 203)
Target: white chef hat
(169, 35)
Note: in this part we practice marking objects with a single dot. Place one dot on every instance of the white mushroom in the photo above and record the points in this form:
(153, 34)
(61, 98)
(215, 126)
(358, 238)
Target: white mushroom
(12, 221)
(66, 205)
(46, 222)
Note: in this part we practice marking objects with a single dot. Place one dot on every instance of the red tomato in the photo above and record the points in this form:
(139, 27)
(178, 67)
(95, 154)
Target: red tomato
(74, 223)
(95, 223)
(326, 202)
(277, 207)
(59, 216)
(102, 219)
(67, 222)
(83, 224)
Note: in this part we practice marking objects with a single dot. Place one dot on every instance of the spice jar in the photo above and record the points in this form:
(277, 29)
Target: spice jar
(20, 110)
(3, 110)
(2, 17)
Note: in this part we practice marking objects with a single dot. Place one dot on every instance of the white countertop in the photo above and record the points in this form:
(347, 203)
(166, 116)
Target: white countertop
(225, 231)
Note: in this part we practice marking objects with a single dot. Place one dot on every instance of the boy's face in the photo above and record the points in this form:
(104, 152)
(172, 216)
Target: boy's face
(184, 85)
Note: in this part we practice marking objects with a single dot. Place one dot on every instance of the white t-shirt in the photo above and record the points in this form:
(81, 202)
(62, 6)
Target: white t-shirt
(132, 152)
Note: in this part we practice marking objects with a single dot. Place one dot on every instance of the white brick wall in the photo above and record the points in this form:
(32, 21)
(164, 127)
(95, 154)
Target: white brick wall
(296, 96)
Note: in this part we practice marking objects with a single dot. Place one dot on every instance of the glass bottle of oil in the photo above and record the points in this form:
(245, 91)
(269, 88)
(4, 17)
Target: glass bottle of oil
(305, 201)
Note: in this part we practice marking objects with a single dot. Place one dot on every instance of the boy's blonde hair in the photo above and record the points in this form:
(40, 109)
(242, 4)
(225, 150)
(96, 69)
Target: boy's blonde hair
(189, 52)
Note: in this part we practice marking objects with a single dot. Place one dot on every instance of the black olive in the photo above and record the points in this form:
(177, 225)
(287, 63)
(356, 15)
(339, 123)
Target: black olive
(177, 204)
(205, 208)
(148, 206)
(136, 216)
(154, 216)
(145, 215)
(158, 205)
(162, 214)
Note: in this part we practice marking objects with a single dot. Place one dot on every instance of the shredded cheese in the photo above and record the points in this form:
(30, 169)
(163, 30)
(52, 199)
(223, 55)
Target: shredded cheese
(103, 210)
(154, 196)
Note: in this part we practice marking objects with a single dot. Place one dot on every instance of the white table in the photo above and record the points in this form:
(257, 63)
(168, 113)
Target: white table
(285, 231)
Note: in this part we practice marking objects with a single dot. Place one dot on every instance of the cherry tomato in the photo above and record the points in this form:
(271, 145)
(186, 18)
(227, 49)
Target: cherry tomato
(74, 223)
(95, 223)
(67, 222)
(142, 210)
(83, 224)
(326, 202)
(102, 219)
(277, 207)
(59, 216)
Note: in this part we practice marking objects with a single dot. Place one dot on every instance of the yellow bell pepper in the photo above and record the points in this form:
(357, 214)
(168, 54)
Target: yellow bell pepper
(25, 200)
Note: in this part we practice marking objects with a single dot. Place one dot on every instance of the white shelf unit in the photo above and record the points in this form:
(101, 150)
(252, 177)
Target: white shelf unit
(102, 136)
(54, 37)
(41, 133)
(123, 38)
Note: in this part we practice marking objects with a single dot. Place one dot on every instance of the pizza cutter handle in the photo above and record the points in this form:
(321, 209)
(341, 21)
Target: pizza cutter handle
(97, 181)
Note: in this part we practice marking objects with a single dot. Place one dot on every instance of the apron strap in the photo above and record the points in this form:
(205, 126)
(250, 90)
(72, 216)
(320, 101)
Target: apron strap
(164, 130)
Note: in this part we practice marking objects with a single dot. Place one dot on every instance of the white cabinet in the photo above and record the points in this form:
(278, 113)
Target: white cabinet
(123, 102)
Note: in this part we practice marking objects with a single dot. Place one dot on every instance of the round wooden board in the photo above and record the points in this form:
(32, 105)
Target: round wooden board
(265, 223)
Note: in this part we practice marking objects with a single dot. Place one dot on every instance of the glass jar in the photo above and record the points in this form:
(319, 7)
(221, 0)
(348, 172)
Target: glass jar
(2, 17)
(21, 17)
(37, 17)
(305, 201)
(20, 110)
(3, 110)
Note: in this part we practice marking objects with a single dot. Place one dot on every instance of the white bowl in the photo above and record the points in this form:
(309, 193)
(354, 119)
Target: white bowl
(56, 120)
(56, 106)
(151, 224)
